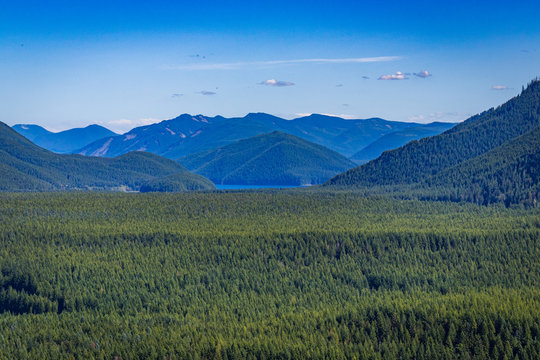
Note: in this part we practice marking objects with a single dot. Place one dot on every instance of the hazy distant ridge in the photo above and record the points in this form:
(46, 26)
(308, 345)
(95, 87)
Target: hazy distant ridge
(188, 134)
(64, 142)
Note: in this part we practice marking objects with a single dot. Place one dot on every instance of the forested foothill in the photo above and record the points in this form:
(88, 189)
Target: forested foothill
(270, 159)
(492, 157)
(24, 166)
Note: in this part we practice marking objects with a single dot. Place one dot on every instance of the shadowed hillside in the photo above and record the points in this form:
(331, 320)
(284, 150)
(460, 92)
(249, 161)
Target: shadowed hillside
(274, 159)
(399, 138)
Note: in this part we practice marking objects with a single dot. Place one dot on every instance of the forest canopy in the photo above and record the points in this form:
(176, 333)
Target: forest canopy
(265, 275)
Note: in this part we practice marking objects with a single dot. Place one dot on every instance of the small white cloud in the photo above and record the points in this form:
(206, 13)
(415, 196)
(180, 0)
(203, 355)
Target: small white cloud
(204, 92)
(177, 95)
(499, 87)
(278, 83)
(423, 74)
(397, 76)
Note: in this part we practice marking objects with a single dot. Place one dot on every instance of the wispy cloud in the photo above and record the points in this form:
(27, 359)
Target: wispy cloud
(205, 92)
(397, 76)
(365, 77)
(423, 74)
(278, 83)
(272, 63)
(177, 95)
(123, 125)
(499, 87)
(439, 116)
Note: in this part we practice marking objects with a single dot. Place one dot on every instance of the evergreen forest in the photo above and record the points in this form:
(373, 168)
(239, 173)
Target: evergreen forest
(266, 275)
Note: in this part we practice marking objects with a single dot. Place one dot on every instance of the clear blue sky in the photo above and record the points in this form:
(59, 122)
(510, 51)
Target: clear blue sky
(121, 64)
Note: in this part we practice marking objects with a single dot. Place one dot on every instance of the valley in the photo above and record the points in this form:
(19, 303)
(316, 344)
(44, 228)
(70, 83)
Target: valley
(233, 239)
(269, 180)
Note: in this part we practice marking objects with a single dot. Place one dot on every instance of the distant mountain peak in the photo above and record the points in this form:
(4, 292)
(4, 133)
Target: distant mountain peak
(261, 116)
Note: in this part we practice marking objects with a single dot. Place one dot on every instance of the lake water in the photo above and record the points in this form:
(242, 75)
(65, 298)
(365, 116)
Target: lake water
(248, 187)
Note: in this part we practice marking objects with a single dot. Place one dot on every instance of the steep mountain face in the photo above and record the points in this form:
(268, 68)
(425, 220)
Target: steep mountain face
(189, 134)
(397, 139)
(155, 138)
(269, 159)
(419, 160)
(25, 166)
(64, 142)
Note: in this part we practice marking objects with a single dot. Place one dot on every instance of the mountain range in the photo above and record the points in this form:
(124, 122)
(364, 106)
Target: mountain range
(25, 166)
(276, 158)
(187, 134)
(63, 142)
(490, 157)
(202, 143)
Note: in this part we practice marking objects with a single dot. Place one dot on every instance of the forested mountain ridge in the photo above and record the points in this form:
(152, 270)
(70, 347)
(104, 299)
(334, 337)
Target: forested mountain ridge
(268, 159)
(418, 160)
(509, 173)
(64, 142)
(25, 166)
(399, 138)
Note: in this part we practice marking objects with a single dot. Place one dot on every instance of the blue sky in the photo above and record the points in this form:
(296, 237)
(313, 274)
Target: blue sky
(122, 64)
